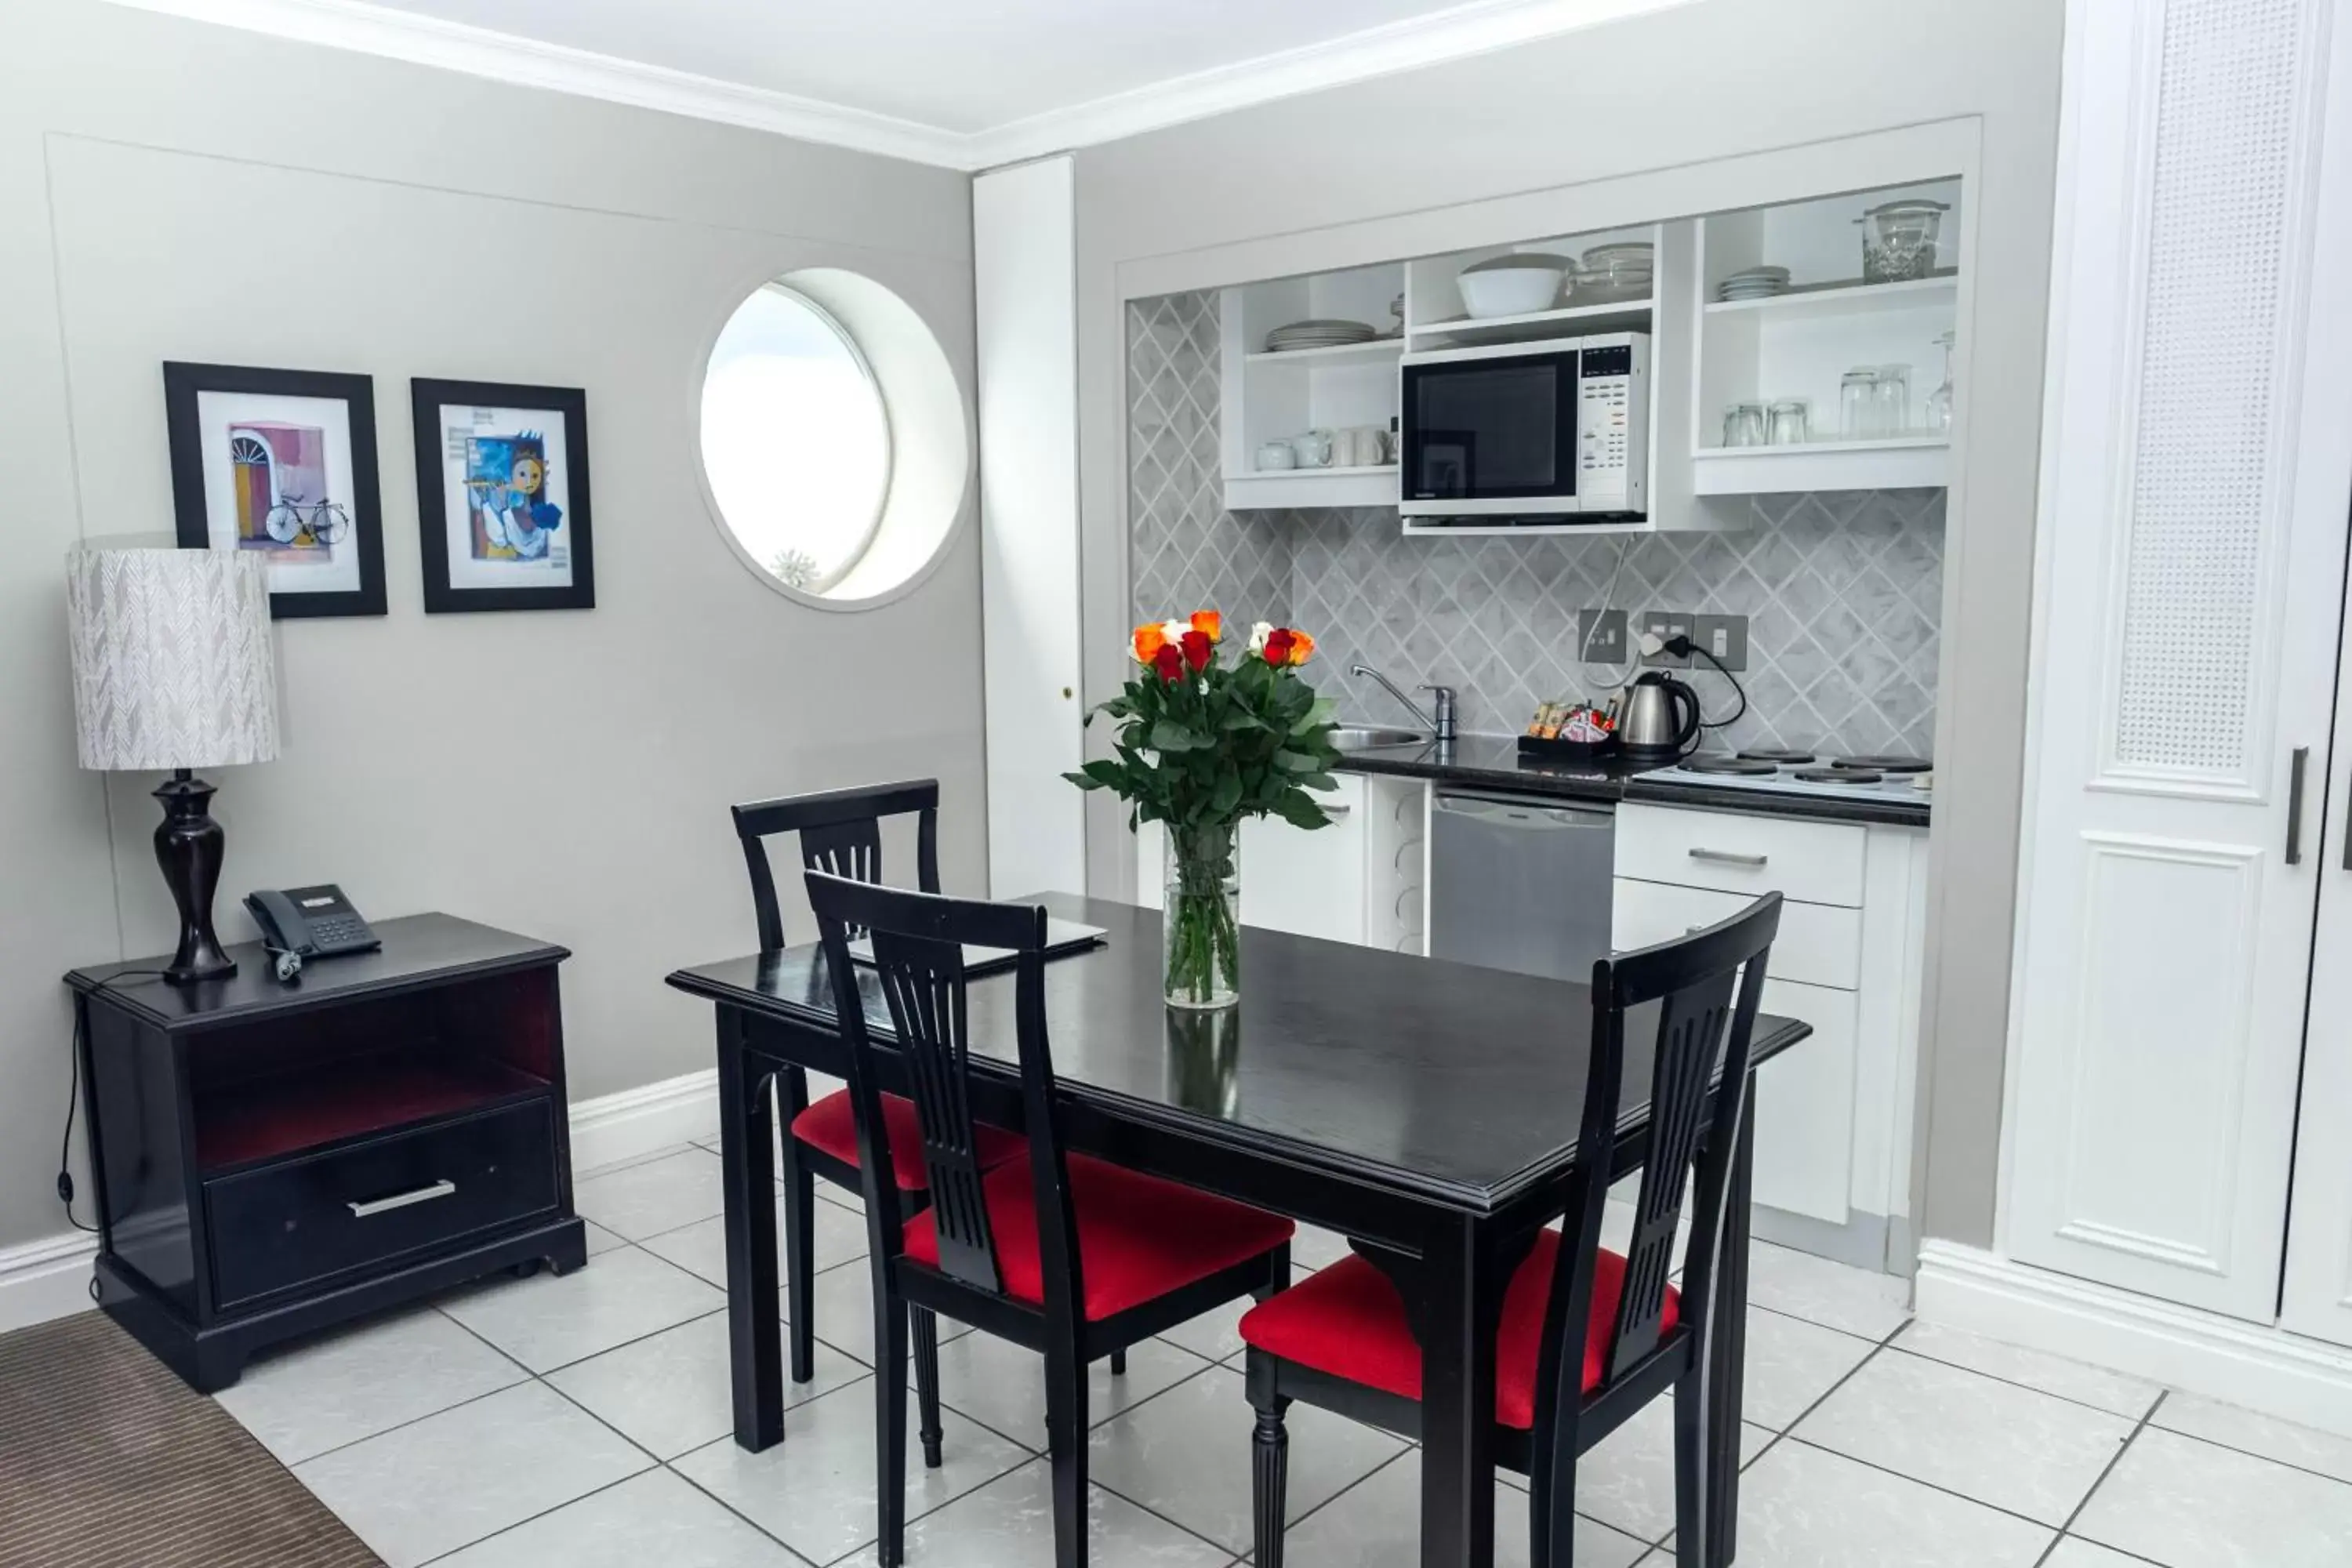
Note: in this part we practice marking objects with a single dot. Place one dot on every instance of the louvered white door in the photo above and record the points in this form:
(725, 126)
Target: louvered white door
(2186, 641)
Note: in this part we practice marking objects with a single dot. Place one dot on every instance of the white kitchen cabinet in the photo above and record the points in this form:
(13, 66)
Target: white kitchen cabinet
(1834, 1112)
(1309, 882)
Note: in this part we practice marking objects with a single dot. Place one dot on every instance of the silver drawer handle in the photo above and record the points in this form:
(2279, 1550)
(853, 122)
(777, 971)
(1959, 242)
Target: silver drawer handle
(1727, 858)
(1342, 809)
(425, 1195)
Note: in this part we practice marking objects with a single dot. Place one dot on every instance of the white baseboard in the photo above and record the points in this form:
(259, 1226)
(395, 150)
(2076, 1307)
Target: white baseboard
(2244, 1363)
(51, 1277)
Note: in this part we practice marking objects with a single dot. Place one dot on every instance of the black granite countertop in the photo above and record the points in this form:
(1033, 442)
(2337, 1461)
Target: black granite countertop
(1493, 762)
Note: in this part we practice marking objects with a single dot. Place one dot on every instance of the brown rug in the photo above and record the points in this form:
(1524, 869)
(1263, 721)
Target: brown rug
(107, 1459)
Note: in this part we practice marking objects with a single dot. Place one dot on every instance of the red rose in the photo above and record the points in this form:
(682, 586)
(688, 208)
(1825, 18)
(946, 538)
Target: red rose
(1196, 649)
(1169, 661)
(1277, 646)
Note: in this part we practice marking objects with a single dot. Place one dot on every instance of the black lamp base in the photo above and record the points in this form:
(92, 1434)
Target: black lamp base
(188, 846)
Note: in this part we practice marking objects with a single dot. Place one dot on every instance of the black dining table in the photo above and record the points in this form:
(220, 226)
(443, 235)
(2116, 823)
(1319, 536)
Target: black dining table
(1427, 1110)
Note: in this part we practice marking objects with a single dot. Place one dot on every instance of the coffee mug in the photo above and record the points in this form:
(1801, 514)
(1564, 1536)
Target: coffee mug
(1314, 448)
(1360, 447)
(1276, 455)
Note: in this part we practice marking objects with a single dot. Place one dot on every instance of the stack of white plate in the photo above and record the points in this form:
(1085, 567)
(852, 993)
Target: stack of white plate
(1753, 283)
(1317, 334)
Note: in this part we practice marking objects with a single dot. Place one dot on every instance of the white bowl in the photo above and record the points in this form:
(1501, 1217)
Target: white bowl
(1510, 290)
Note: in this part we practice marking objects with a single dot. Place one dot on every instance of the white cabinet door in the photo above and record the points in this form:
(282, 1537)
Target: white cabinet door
(1308, 883)
(1804, 1107)
(2188, 602)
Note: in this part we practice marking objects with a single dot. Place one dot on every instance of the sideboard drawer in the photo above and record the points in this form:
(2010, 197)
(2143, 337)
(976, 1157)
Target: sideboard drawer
(356, 1208)
(1734, 852)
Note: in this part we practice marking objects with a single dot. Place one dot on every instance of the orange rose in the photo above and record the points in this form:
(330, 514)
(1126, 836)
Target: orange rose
(1208, 624)
(1302, 648)
(1149, 640)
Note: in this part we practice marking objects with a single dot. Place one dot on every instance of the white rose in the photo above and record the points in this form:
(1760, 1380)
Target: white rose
(1258, 634)
(1174, 630)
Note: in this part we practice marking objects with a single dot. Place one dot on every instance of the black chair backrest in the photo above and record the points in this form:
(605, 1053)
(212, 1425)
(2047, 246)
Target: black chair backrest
(841, 831)
(917, 941)
(1705, 987)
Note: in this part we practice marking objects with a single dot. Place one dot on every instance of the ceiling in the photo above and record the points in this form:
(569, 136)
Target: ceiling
(947, 81)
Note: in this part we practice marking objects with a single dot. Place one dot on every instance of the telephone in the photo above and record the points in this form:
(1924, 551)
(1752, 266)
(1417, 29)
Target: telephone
(310, 923)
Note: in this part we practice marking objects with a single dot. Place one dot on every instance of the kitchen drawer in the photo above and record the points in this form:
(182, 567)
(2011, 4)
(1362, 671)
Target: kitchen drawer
(1813, 862)
(1805, 1107)
(307, 1219)
(1819, 945)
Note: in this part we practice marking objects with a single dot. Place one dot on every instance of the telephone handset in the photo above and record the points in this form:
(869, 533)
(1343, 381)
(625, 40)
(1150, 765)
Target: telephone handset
(311, 923)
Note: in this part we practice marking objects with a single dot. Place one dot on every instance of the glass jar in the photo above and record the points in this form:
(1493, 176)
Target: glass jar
(1857, 404)
(1898, 240)
(1743, 425)
(1892, 396)
(1199, 921)
(1791, 423)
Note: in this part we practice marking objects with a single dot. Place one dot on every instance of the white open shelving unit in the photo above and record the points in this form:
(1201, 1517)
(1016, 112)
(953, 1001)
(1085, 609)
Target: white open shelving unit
(1706, 355)
(1800, 345)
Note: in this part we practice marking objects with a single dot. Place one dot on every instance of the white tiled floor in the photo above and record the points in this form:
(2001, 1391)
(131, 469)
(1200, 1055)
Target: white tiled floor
(584, 1422)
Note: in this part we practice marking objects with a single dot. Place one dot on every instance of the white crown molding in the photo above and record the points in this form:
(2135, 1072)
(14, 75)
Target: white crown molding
(396, 35)
(1478, 27)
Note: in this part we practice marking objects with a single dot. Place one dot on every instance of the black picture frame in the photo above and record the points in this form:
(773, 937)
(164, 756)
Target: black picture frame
(185, 383)
(427, 396)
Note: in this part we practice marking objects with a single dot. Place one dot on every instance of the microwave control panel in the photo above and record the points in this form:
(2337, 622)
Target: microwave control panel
(1613, 394)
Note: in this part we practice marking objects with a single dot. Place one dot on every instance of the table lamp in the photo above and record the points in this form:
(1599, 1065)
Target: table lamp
(172, 670)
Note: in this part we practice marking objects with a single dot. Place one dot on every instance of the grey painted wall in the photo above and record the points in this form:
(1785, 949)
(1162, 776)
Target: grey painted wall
(1380, 169)
(1843, 592)
(176, 190)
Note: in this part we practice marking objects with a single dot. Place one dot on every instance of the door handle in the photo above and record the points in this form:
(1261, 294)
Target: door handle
(423, 1194)
(2294, 804)
(1728, 858)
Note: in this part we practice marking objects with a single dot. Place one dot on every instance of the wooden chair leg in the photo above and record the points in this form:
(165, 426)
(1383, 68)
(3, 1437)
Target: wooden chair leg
(924, 1327)
(1551, 1509)
(1269, 1466)
(1692, 1480)
(1119, 1362)
(800, 1260)
(1278, 1273)
(1066, 1426)
(890, 1420)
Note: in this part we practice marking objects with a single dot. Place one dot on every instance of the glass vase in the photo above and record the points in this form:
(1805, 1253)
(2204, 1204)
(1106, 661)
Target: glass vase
(1199, 922)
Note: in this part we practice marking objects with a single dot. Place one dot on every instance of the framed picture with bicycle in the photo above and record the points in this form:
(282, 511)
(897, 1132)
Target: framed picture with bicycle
(281, 463)
(502, 496)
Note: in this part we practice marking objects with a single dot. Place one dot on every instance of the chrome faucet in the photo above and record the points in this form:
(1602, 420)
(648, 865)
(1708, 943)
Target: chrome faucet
(1439, 725)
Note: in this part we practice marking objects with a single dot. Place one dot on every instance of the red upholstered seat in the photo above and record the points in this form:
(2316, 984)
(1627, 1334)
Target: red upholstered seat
(1140, 1237)
(831, 1124)
(1348, 1322)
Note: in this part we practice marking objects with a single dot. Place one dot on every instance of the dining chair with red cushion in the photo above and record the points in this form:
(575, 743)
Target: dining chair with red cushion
(840, 831)
(1069, 1256)
(1587, 1336)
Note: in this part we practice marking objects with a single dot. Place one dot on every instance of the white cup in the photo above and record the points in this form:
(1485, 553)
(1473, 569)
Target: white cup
(1276, 455)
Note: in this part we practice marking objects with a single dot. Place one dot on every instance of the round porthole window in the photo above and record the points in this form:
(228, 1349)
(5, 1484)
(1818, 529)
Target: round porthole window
(834, 441)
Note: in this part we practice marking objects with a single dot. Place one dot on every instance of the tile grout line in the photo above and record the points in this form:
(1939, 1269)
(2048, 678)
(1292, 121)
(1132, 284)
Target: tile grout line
(2105, 1471)
(2030, 1388)
(1788, 1431)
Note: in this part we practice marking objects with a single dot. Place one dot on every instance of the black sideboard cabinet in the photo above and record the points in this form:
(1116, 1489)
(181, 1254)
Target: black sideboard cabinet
(274, 1158)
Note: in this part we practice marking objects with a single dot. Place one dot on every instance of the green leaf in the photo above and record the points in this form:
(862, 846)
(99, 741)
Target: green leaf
(1297, 762)
(1083, 781)
(1168, 735)
(1226, 795)
(1318, 712)
(1299, 809)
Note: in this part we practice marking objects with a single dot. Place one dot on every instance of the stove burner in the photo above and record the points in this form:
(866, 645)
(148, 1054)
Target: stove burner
(1885, 765)
(1777, 758)
(1839, 773)
(1716, 762)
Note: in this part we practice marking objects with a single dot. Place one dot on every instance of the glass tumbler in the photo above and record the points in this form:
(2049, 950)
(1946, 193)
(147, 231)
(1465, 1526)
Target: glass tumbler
(1789, 425)
(1858, 404)
(1893, 397)
(1743, 425)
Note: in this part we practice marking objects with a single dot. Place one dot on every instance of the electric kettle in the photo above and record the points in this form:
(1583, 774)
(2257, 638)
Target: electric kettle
(1661, 716)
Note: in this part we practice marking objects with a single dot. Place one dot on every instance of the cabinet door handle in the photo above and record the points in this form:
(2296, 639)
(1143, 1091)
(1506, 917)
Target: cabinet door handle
(423, 1194)
(1342, 809)
(1727, 858)
(2295, 806)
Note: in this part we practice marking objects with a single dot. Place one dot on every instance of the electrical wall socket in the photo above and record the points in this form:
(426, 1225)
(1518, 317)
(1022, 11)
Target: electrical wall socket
(1600, 637)
(1726, 637)
(1664, 623)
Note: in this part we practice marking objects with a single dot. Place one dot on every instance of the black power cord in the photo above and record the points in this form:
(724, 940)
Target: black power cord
(73, 1093)
(1682, 647)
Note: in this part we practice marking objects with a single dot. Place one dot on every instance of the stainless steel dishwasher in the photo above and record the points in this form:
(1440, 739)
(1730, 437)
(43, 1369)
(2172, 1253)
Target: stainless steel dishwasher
(1520, 883)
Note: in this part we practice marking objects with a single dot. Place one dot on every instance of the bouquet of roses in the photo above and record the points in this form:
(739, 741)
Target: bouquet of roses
(1202, 744)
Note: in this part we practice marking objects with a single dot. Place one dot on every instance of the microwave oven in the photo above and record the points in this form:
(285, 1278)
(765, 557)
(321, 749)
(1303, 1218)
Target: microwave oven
(1527, 432)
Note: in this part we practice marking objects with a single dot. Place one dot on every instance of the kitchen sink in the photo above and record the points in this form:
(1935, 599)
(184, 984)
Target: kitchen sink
(1366, 738)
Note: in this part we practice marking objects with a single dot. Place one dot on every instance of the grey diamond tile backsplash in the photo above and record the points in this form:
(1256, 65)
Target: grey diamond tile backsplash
(1843, 590)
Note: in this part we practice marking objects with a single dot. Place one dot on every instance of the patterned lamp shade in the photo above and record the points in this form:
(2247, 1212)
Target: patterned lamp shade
(171, 658)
